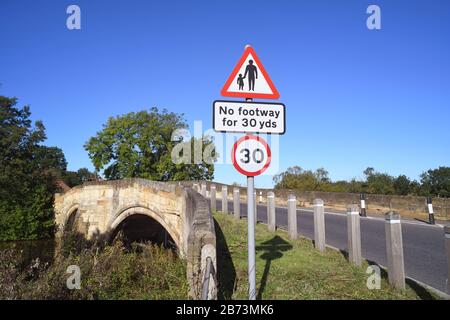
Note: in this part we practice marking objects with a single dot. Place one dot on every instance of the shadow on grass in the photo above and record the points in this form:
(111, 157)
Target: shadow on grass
(272, 249)
(226, 273)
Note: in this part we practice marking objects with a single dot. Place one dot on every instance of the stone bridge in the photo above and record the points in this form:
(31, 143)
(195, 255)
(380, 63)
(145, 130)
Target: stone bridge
(164, 212)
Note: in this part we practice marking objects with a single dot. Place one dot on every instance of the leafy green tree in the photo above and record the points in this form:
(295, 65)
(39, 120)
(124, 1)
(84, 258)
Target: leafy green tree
(305, 180)
(140, 145)
(402, 185)
(379, 183)
(433, 182)
(322, 175)
(369, 172)
(75, 178)
(85, 175)
(436, 182)
(51, 159)
(27, 182)
(415, 188)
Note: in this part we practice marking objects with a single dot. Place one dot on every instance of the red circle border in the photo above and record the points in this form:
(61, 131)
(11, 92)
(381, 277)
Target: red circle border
(233, 155)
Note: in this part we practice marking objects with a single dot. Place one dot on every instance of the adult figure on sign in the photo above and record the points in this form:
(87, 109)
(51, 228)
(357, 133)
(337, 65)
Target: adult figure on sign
(252, 72)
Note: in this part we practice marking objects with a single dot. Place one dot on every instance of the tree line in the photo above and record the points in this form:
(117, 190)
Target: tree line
(433, 182)
(133, 145)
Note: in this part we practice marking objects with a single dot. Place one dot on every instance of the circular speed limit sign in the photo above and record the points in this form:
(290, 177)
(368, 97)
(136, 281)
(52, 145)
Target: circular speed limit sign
(251, 155)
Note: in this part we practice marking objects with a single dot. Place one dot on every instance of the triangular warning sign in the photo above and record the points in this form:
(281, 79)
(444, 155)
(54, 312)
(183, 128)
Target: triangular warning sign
(249, 79)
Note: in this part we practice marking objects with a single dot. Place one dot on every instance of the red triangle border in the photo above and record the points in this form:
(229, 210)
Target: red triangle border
(225, 93)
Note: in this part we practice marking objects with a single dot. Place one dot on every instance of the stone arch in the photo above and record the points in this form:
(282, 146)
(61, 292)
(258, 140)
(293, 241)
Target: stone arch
(71, 217)
(142, 210)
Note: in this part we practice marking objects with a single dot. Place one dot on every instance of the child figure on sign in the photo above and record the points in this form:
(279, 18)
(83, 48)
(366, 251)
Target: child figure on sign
(240, 82)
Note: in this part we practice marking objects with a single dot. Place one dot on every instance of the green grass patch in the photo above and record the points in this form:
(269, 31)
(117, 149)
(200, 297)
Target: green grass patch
(288, 269)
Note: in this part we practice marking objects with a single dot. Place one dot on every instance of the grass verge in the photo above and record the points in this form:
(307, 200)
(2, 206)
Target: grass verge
(293, 269)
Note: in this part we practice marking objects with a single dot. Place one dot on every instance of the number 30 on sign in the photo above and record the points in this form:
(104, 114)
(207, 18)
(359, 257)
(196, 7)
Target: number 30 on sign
(251, 155)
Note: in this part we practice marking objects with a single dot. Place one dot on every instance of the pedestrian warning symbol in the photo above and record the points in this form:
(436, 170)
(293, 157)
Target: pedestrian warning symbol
(249, 79)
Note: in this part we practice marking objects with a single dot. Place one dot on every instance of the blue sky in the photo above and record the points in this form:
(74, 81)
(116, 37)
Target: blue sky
(354, 97)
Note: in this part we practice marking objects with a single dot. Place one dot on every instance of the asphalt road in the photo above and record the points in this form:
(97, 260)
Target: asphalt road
(423, 244)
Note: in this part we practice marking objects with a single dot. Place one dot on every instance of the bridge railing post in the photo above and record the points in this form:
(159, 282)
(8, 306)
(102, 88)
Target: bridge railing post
(394, 250)
(292, 216)
(213, 197)
(224, 199)
(354, 235)
(319, 225)
(447, 249)
(271, 223)
(236, 203)
(203, 189)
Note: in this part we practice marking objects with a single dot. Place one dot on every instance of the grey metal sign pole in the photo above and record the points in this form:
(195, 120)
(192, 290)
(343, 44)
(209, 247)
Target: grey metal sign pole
(251, 240)
(251, 220)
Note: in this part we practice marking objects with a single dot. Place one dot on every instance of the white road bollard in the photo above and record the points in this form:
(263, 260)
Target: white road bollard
(236, 204)
(224, 199)
(394, 250)
(354, 235)
(213, 197)
(271, 223)
(319, 225)
(362, 197)
(430, 211)
(292, 217)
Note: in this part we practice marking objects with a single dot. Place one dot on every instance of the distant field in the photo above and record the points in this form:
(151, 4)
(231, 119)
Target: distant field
(292, 269)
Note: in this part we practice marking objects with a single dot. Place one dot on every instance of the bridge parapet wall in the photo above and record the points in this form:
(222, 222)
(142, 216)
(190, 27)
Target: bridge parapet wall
(185, 214)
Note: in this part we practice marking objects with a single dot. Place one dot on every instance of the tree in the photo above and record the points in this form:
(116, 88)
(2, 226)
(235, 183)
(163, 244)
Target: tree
(85, 175)
(51, 159)
(380, 183)
(402, 185)
(297, 178)
(369, 172)
(140, 145)
(436, 182)
(27, 183)
(322, 175)
(72, 178)
(433, 182)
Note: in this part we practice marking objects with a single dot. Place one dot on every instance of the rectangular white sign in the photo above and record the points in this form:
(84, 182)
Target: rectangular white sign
(249, 117)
